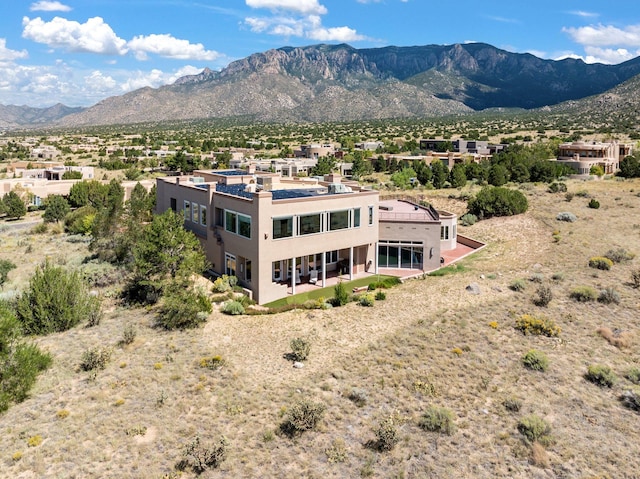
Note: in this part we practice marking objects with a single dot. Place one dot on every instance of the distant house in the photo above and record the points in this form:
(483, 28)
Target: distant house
(315, 150)
(582, 156)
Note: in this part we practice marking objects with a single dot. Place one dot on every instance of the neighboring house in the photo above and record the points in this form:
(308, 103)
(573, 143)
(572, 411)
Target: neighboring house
(369, 145)
(54, 173)
(277, 233)
(582, 156)
(46, 152)
(315, 150)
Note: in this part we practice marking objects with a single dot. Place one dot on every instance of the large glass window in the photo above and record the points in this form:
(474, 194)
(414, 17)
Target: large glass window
(247, 271)
(203, 215)
(331, 256)
(444, 232)
(230, 221)
(244, 226)
(338, 220)
(356, 218)
(310, 224)
(187, 210)
(283, 227)
(194, 212)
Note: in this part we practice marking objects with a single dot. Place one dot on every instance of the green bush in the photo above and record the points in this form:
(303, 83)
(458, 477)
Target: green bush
(608, 296)
(535, 360)
(633, 375)
(57, 208)
(600, 262)
(497, 201)
(512, 404)
(80, 221)
(535, 429)
(340, 294)
(583, 294)
(537, 326)
(594, 204)
(386, 435)
(468, 219)
(129, 334)
(386, 283)
(300, 349)
(517, 285)
(437, 419)
(183, 308)
(381, 296)
(224, 283)
(302, 416)
(55, 300)
(233, 308)
(5, 267)
(20, 362)
(556, 187)
(600, 375)
(366, 299)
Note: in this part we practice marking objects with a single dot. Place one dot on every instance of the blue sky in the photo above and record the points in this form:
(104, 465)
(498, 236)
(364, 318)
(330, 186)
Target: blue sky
(79, 52)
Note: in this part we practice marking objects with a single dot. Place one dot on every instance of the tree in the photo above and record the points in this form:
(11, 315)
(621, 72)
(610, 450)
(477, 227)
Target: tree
(55, 300)
(165, 254)
(498, 175)
(57, 209)
(629, 167)
(72, 175)
(402, 179)
(325, 165)
(497, 201)
(457, 176)
(439, 173)
(14, 207)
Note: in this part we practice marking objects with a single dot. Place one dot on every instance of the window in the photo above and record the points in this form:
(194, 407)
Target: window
(444, 232)
(219, 217)
(230, 264)
(338, 220)
(370, 215)
(203, 215)
(174, 204)
(187, 210)
(195, 212)
(283, 227)
(277, 270)
(244, 225)
(309, 224)
(331, 256)
(247, 271)
(356, 218)
(230, 219)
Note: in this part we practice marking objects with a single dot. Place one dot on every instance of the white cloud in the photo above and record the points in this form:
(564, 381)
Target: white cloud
(583, 14)
(169, 47)
(48, 6)
(93, 36)
(340, 34)
(304, 7)
(605, 35)
(98, 81)
(309, 26)
(609, 55)
(8, 55)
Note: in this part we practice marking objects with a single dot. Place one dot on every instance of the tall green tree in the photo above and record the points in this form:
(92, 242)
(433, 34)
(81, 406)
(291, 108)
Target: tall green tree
(14, 207)
(458, 176)
(439, 174)
(57, 208)
(325, 165)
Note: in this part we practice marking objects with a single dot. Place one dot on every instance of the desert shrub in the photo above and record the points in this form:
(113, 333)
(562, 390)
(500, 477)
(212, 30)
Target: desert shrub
(129, 334)
(557, 276)
(381, 296)
(568, 196)
(536, 278)
(600, 262)
(95, 358)
(80, 221)
(233, 308)
(537, 326)
(631, 400)
(468, 219)
(543, 296)
(535, 360)
(512, 404)
(40, 229)
(386, 283)
(619, 255)
(583, 294)
(534, 428)
(386, 435)
(212, 362)
(582, 193)
(635, 278)
(198, 457)
(5, 267)
(55, 300)
(497, 201)
(337, 452)
(600, 375)
(358, 396)
(593, 203)
(300, 349)
(302, 416)
(224, 283)
(437, 419)
(619, 339)
(366, 300)
(20, 362)
(566, 216)
(556, 187)
(608, 296)
(633, 375)
(340, 294)
(183, 308)
(517, 285)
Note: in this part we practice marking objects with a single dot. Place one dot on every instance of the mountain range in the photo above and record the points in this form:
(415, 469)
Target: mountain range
(342, 83)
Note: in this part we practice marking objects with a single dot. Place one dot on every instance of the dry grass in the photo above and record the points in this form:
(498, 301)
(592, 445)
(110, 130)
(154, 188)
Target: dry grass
(383, 352)
(617, 339)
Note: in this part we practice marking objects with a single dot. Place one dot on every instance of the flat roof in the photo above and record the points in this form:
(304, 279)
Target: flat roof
(403, 210)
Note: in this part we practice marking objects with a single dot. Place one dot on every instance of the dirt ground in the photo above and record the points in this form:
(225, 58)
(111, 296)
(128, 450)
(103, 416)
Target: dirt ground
(134, 418)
